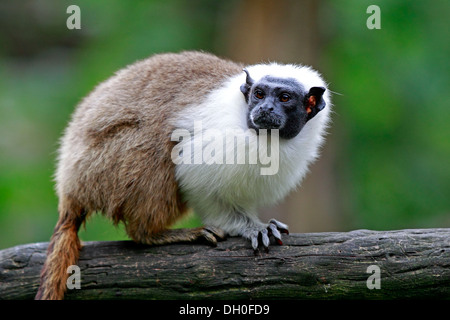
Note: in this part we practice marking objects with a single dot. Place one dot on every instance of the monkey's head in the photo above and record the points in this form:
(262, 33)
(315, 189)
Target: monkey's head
(280, 103)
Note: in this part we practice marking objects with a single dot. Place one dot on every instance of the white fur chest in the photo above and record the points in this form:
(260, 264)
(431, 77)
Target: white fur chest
(216, 184)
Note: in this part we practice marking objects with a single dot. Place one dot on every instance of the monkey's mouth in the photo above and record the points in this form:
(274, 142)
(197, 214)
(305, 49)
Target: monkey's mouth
(263, 120)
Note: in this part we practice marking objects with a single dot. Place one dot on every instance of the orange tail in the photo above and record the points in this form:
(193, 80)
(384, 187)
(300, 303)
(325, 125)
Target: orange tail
(63, 251)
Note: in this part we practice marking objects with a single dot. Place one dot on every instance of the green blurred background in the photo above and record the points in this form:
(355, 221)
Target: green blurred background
(386, 162)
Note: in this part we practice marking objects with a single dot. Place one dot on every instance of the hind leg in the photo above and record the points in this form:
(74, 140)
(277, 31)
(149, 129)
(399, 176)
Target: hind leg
(149, 224)
(148, 232)
(209, 235)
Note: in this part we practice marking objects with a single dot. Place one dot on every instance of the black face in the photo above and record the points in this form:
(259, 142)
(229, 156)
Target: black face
(281, 103)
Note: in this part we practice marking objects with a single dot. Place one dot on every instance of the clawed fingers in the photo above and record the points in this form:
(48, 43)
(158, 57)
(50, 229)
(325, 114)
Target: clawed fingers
(262, 237)
(212, 235)
(283, 228)
(276, 234)
(219, 234)
(274, 229)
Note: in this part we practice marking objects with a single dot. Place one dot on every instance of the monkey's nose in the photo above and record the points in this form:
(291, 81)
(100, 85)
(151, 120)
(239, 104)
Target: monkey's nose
(266, 109)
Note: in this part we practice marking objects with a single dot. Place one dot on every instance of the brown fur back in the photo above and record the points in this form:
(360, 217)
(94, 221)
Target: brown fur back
(115, 156)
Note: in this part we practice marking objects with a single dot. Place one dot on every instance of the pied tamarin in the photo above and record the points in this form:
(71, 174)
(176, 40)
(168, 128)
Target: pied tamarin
(117, 154)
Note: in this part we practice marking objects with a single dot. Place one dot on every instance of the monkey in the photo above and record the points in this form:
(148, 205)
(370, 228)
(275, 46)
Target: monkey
(116, 155)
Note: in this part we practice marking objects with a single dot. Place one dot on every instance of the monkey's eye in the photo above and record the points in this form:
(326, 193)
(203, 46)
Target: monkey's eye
(284, 97)
(259, 94)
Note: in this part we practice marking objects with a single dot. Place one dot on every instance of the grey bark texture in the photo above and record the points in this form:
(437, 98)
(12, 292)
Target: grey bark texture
(412, 264)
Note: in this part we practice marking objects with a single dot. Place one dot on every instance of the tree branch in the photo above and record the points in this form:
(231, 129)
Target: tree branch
(412, 264)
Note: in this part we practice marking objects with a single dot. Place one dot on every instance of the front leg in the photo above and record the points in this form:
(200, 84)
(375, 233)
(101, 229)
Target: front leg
(260, 233)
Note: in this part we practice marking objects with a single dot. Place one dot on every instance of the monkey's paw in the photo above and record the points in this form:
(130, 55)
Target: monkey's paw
(274, 229)
(211, 235)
